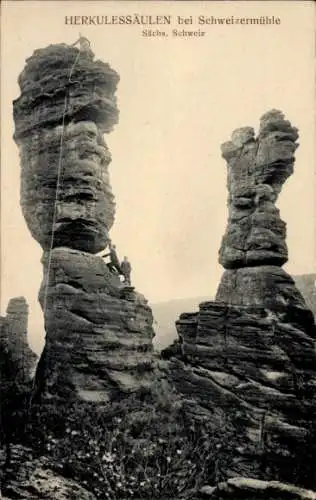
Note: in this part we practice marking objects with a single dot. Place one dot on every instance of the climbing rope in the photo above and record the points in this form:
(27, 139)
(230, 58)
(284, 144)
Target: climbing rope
(57, 185)
(55, 208)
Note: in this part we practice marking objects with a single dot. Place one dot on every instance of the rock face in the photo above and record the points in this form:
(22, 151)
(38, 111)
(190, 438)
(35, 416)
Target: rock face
(67, 102)
(98, 332)
(249, 357)
(33, 479)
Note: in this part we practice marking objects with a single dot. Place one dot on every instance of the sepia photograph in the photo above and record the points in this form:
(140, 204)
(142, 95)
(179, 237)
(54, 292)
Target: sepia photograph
(158, 250)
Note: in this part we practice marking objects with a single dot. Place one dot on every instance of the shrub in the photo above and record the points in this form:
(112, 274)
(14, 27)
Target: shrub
(130, 449)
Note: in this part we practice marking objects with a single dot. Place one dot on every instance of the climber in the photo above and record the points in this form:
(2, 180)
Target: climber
(114, 264)
(84, 45)
(126, 270)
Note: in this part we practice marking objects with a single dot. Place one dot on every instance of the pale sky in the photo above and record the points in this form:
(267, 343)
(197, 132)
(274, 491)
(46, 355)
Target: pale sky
(179, 99)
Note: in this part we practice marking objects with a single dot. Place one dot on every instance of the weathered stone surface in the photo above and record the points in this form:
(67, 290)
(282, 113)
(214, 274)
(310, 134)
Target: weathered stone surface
(257, 169)
(84, 209)
(57, 71)
(264, 285)
(59, 124)
(98, 333)
(33, 479)
(257, 367)
(254, 489)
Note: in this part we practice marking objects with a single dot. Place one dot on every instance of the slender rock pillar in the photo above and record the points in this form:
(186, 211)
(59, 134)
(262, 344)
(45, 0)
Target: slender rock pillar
(98, 332)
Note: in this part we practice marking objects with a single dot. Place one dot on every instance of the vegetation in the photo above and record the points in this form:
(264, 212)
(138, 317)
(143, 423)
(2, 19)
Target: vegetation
(15, 389)
(144, 447)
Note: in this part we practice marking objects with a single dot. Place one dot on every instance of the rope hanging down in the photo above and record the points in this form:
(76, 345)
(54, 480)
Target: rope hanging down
(57, 186)
(54, 212)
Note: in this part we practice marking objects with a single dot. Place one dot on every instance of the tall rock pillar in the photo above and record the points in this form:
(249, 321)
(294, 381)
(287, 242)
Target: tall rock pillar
(18, 361)
(254, 247)
(248, 358)
(98, 333)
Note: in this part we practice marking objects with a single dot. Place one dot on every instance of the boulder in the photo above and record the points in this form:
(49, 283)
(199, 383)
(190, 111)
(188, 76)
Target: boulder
(33, 478)
(254, 489)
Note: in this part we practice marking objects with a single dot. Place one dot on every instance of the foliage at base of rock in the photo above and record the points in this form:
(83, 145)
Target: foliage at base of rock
(145, 447)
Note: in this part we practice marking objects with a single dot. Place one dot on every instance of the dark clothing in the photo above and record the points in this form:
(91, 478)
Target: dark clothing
(125, 266)
(114, 263)
(126, 271)
(84, 46)
(112, 268)
(114, 259)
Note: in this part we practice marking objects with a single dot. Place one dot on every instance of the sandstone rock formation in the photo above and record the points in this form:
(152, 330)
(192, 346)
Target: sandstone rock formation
(67, 102)
(257, 169)
(17, 366)
(98, 333)
(248, 358)
(17, 360)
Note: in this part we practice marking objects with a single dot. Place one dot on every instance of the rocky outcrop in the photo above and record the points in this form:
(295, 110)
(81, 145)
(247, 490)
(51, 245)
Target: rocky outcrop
(99, 334)
(254, 370)
(33, 479)
(249, 357)
(17, 367)
(98, 331)
(18, 361)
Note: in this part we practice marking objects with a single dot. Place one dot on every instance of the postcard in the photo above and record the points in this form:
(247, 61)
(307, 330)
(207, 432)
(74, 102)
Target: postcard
(157, 231)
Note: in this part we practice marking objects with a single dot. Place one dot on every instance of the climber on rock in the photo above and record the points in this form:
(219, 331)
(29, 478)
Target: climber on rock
(84, 45)
(126, 270)
(114, 264)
